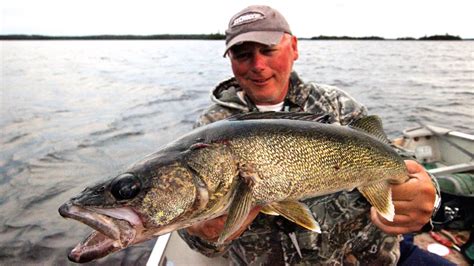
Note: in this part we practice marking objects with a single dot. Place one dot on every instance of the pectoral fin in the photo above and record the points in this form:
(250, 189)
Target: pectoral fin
(380, 196)
(269, 211)
(296, 212)
(238, 211)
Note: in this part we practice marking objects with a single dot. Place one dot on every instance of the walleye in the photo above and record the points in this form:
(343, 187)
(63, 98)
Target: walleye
(257, 159)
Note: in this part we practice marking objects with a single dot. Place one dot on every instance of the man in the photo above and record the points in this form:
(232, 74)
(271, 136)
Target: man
(262, 51)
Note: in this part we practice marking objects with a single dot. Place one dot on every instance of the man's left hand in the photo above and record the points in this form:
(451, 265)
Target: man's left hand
(413, 201)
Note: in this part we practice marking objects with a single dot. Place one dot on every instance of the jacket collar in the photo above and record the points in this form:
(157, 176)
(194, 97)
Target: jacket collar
(225, 94)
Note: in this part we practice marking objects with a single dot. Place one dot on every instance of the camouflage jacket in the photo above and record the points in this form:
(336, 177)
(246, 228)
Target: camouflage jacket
(348, 237)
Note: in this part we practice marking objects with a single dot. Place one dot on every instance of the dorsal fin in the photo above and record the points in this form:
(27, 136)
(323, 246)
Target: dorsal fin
(372, 125)
(321, 118)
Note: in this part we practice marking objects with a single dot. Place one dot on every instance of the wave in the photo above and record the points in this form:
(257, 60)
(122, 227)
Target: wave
(184, 96)
(103, 132)
(463, 93)
(117, 137)
(15, 138)
(140, 116)
(53, 158)
(46, 195)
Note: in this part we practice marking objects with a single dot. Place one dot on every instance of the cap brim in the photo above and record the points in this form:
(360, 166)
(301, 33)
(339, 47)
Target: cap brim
(263, 37)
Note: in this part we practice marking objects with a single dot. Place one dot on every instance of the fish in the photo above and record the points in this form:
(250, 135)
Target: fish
(270, 159)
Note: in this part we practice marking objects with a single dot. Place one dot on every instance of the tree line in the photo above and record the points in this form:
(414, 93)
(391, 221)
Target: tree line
(214, 36)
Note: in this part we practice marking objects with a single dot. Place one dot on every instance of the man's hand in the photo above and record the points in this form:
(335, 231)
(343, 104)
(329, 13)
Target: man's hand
(211, 229)
(413, 201)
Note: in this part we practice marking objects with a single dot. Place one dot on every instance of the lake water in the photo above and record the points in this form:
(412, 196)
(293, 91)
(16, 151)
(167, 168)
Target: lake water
(74, 112)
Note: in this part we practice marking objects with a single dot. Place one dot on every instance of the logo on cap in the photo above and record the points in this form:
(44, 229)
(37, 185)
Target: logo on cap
(247, 18)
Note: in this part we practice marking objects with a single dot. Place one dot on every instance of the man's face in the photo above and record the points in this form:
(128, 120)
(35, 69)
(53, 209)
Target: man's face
(263, 71)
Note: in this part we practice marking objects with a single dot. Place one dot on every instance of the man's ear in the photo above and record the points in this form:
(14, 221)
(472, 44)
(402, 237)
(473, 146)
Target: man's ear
(294, 45)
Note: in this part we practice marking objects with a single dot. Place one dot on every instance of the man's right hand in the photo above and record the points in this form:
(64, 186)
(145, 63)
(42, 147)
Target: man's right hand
(211, 229)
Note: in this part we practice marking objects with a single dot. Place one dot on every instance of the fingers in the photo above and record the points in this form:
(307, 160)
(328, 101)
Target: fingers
(405, 191)
(401, 224)
(414, 167)
(208, 230)
(414, 189)
(413, 202)
(418, 188)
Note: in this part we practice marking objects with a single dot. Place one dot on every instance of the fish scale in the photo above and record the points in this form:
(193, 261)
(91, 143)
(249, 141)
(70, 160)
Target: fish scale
(309, 160)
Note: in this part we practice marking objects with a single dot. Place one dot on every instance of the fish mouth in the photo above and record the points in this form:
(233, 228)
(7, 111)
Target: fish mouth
(115, 229)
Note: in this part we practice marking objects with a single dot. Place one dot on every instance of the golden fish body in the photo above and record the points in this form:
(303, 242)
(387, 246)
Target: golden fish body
(230, 166)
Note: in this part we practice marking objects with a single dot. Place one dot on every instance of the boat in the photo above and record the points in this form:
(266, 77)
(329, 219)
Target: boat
(445, 153)
(440, 150)
(449, 156)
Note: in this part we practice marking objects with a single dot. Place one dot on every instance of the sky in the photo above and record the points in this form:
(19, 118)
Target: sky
(357, 18)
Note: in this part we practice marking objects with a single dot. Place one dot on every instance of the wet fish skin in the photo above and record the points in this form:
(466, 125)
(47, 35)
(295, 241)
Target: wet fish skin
(232, 165)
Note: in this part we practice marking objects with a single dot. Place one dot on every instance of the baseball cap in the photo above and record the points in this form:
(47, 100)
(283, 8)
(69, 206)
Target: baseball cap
(257, 23)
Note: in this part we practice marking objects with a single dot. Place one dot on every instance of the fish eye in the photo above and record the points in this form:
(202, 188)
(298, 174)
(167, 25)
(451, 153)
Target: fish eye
(125, 186)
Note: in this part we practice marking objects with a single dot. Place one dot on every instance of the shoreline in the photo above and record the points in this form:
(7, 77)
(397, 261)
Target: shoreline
(217, 36)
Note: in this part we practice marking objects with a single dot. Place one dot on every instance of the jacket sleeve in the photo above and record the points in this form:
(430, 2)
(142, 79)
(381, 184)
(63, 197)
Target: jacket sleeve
(212, 114)
(204, 247)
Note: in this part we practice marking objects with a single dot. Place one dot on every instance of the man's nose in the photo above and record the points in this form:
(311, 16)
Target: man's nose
(258, 62)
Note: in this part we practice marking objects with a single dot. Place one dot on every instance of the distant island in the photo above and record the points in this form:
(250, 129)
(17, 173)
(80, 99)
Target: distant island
(323, 37)
(214, 36)
(440, 38)
(445, 37)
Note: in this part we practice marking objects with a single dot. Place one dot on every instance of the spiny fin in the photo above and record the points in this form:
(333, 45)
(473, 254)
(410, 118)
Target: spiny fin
(238, 211)
(321, 118)
(372, 125)
(380, 196)
(296, 212)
